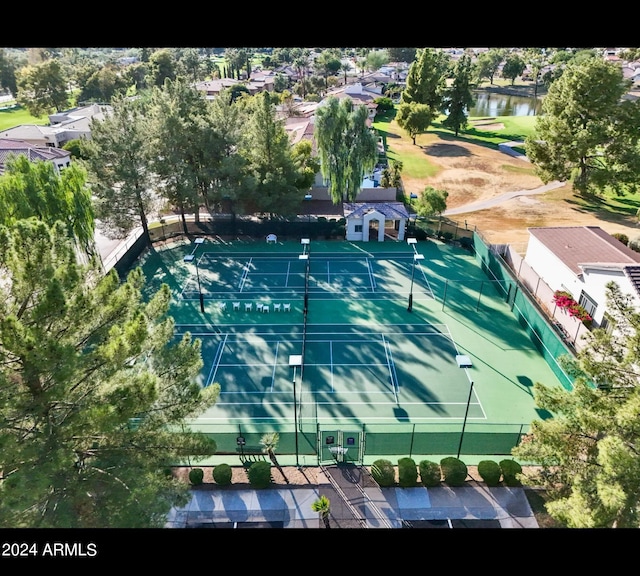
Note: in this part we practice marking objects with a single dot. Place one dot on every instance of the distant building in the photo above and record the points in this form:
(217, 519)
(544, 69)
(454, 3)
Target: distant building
(10, 148)
(73, 124)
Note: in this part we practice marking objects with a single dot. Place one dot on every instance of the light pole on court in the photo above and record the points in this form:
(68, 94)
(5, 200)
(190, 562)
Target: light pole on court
(192, 258)
(416, 257)
(295, 360)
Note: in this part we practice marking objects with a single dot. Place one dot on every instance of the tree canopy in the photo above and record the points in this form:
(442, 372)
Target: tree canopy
(42, 88)
(426, 79)
(588, 133)
(36, 189)
(94, 390)
(346, 146)
(459, 97)
(587, 452)
(119, 170)
(431, 202)
(414, 118)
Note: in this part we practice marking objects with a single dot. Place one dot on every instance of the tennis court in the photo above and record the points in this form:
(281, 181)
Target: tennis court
(335, 335)
(375, 375)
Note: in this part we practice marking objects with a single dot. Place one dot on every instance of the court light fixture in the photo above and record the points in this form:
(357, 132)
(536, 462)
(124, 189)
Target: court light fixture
(295, 360)
(416, 257)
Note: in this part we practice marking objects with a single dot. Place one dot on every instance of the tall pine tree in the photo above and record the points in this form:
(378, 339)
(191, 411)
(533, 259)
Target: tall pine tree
(94, 390)
(459, 97)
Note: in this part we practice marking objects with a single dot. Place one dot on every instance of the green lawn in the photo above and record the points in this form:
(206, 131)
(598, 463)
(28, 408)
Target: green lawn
(17, 116)
(414, 162)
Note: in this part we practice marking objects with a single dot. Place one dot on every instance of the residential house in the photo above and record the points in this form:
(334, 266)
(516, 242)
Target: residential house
(582, 260)
(63, 126)
(259, 82)
(10, 148)
(360, 94)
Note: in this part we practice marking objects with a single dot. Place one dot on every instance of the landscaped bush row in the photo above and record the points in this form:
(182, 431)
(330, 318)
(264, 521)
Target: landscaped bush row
(259, 474)
(450, 470)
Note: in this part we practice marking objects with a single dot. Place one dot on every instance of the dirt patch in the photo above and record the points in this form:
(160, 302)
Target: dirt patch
(471, 172)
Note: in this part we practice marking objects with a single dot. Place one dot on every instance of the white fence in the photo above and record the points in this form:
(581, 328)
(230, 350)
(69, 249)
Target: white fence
(572, 328)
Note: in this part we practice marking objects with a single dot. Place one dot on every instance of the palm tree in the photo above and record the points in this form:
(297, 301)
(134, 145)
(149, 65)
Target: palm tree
(269, 443)
(323, 506)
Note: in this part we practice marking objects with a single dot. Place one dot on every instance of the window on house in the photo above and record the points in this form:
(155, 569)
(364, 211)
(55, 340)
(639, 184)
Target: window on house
(357, 228)
(588, 303)
(607, 324)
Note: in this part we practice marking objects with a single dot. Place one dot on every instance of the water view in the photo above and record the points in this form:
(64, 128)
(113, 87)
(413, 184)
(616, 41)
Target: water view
(491, 104)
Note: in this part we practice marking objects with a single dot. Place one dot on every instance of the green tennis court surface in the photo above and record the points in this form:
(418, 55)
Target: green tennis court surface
(375, 375)
(366, 359)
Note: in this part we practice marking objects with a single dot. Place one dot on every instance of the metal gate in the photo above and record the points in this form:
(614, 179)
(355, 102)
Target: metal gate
(341, 446)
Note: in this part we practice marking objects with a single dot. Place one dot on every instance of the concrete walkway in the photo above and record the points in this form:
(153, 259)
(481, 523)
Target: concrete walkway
(491, 202)
(357, 502)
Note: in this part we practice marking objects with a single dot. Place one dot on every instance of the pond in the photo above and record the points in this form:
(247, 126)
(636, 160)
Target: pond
(492, 104)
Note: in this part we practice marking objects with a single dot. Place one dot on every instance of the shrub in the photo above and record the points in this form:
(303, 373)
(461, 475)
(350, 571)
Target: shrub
(196, 475)
(407, 472)
(621, 237)
(430, 473)
(222, 474)
(490, 472)
(466, 243)
(260, 474)
(510, 470)
(383, 472)
(454, 471)
(634, 244)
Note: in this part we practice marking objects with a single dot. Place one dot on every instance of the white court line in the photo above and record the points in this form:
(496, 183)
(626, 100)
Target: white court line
(286, 282)
(362, 250)
(275, 365)
(424, 276)
(392, 368)
(243, 279)
(216, 361)
(387, 353)
(371, 278)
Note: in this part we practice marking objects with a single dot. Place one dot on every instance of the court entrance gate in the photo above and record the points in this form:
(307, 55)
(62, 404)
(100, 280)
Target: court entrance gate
(341, 446)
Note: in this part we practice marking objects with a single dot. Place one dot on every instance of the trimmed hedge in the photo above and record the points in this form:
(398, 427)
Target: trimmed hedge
(454, 471)
(260, 474)
(490, 472)
(196, 476)
(510, 469)
(383, 472)
(222, 474)
(430, 473)
(407, 472)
